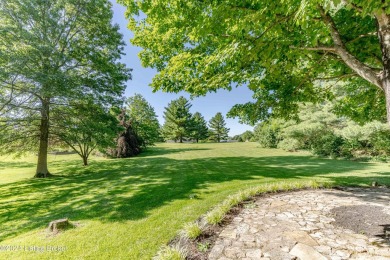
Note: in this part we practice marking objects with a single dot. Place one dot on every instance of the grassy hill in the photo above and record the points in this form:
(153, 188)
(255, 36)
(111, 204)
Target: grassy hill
(127, 208)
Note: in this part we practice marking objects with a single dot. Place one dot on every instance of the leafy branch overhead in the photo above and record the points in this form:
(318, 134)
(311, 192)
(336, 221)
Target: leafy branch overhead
(286, 52)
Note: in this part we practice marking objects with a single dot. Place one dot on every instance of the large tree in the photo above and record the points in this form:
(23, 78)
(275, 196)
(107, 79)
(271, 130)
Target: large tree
(144, 120)
(199, 129)
(285, 51)
(53, 53)
(178, 120)
(85, 127)
(218, 129)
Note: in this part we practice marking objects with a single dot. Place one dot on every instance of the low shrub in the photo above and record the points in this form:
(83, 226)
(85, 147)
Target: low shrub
(327, 144)
(380, 142)
(192, 230)
(289, 144)
(268, 133)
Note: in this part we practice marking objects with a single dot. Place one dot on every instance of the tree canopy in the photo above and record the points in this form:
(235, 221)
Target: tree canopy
(144, 120)
(53, 54)
(85, 127)
(286, 52)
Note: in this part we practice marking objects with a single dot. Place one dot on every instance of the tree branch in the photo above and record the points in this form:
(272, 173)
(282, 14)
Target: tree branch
(11, 96)
(351, 61)
(338, 76)
(354, 6)
(319, 48)
(361, 36)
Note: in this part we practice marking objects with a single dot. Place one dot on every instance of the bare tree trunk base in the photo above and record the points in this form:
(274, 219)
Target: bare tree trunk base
(43, 175)
(60, 224)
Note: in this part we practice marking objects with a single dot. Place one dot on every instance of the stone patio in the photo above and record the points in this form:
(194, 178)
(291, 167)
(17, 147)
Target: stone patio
(301, 225)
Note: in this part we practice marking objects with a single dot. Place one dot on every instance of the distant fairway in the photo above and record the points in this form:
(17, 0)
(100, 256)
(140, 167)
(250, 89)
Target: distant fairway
(127, 208)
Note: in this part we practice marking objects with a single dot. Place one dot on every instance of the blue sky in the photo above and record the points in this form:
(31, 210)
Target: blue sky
(208, 105)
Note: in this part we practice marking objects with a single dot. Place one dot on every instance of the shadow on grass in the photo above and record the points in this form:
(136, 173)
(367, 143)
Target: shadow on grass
(128, 189)
(7, 165)
(156, 151)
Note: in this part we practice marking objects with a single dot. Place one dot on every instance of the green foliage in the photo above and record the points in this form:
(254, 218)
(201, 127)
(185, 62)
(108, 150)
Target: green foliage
(359, 138)
(171, 253)
(321, 131)
(289, 144)
(144, 120)
(202, 46)
(199, 127)
(178, 120)
(365, 105)
(238, 138)
(247, 136)
(192, 230)
(218, 129)
(85, 127)
(54, 54)
(381, 142)
(268, 133)
(203, 247)
(326, 143)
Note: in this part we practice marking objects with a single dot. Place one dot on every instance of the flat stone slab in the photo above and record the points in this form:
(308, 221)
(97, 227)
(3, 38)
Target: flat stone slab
(307, 225)
(300, 237)
(305, 252)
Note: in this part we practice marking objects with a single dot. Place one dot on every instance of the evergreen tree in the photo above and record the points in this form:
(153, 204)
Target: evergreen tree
(200, 130)
(178, 121)
(144, 120)
(218, 129)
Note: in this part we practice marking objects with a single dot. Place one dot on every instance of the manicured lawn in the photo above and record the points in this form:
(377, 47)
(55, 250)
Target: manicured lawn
(127, 208)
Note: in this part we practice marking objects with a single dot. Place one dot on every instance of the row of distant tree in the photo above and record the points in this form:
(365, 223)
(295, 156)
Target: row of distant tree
(247, 136)
(180, 124)
(136, 127)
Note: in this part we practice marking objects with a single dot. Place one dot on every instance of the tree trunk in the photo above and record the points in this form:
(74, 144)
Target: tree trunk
(386, 86)
(42, 171)
(181, 139)
(85, 160)
(384, 39)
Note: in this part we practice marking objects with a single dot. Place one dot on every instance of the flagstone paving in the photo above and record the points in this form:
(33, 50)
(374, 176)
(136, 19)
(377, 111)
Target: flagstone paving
(310, 225)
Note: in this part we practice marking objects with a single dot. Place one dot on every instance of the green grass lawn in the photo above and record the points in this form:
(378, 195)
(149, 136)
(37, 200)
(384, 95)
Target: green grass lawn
(127, 208)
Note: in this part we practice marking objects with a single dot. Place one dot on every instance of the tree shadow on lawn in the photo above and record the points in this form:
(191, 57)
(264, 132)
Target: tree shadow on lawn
(156, 151)
(7, 165)
(128, 189)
